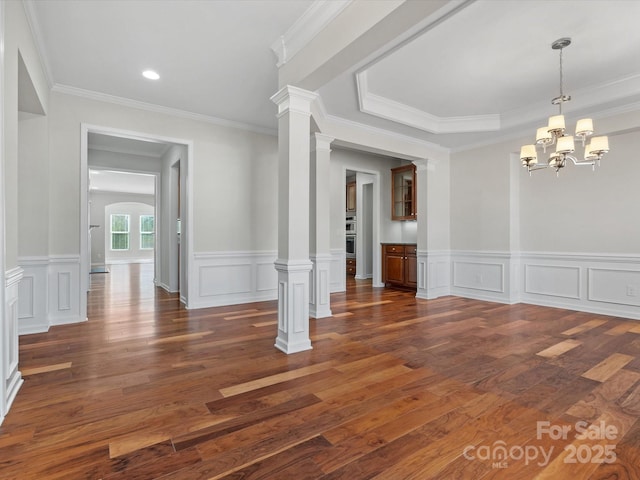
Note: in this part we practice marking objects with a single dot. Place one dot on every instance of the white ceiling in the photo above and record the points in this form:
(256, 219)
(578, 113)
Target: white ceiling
(490, 58)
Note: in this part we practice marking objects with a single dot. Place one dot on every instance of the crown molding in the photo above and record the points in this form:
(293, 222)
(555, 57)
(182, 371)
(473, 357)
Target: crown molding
(36, 32)
(526, 131)
(324, 118)
(584, 99)
(305, 28)
(174, 112)
(406, 115)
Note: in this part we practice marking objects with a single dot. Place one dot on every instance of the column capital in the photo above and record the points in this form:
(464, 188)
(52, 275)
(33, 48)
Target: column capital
(290, 98)
(322, 141)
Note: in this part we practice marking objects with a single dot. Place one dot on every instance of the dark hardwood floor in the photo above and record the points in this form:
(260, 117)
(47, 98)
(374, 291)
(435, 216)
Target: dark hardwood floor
(394, 388)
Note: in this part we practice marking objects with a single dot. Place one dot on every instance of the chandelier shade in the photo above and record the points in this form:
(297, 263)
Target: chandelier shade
(554, 134)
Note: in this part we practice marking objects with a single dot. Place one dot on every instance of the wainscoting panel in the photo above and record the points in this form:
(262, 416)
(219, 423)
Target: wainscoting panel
(33, 295)
(479, 276)
(266, 277)
(598, 283)
(64, 290)
(224, 279)
(483, 276)
(338, 270)
(227, 278)
(617, 286)
(552, 280)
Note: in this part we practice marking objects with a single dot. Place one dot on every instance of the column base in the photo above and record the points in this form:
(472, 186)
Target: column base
(293, 305)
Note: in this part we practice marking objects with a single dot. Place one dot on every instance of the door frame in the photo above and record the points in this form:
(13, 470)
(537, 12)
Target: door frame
(187, 223)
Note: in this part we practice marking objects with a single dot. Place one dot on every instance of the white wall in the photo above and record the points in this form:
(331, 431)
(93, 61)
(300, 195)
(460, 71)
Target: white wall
(480, 198)
(33, 181)
(17, 41)
(584, 211)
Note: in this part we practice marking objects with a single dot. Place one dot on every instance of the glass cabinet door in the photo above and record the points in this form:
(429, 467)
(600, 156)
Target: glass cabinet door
(403, 193)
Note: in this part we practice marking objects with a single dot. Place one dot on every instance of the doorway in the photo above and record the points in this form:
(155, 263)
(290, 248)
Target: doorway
(169, 157)
(367, 223)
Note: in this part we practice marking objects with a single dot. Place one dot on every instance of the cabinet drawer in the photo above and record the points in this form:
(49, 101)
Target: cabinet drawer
(397, 249)
(351, 262)
(410, 250)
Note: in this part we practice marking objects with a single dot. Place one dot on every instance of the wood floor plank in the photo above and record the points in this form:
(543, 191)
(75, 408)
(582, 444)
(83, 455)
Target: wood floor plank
(395, 387)
(596, 322)
(559, 348)
(280, 377)
(46, 368)
(608, 367)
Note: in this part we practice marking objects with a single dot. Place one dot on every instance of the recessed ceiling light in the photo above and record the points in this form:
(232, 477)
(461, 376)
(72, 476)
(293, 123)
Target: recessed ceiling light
(150, 74)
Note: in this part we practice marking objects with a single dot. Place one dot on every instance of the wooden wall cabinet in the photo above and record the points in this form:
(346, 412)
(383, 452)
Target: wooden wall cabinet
(400, 265)
(351, 197)
(403, 193)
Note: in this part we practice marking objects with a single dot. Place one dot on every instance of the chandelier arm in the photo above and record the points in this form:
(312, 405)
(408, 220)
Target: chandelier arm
(538, 167)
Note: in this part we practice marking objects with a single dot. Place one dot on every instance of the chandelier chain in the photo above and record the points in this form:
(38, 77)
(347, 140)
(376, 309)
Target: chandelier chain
(561, 83)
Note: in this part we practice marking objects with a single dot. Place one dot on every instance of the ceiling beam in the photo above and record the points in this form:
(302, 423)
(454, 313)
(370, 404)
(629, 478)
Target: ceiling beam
(359, 31)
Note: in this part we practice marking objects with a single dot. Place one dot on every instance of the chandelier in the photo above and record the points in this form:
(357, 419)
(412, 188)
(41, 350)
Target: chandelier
(554, 134)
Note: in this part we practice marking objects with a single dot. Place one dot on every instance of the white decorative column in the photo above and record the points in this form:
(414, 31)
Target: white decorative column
(433, 256)
(422, 219)
(320, 299)
(293, 265)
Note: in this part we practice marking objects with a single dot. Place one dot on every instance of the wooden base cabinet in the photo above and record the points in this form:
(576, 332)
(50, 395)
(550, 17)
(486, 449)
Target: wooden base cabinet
(351, 266)
(399, 265)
